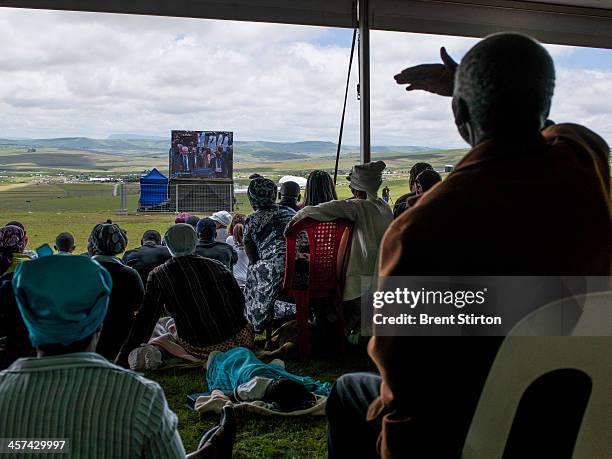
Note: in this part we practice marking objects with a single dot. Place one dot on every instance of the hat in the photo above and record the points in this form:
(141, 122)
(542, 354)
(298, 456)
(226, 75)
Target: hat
(181, 239)
(223, 217)
(206, 229)
(192, 220)
(367, 177)
(108, 238)
(261, 193)
(62, 299)
(182, 217)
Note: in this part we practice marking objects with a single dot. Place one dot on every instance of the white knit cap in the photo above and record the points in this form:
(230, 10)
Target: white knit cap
(181, 239)
(223, 217)
(367, 177)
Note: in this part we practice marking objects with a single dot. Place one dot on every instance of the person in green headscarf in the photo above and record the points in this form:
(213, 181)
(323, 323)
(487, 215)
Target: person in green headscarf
(69, 391)
(106, 241)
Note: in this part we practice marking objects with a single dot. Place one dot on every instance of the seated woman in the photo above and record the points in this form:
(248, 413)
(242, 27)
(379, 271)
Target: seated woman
(370, 216)
(13, 333)
(106, 241)
(202, 297)
(247, 378)
(13, 241)
(69, 391)
(264, 244)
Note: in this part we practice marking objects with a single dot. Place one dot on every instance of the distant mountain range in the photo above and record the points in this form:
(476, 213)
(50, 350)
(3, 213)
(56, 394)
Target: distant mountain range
(140, 145)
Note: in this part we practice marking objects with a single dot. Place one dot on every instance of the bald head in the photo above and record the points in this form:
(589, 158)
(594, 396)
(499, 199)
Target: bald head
(504, 86)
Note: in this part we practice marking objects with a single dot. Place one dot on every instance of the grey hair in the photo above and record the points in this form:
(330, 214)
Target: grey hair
(507, 81)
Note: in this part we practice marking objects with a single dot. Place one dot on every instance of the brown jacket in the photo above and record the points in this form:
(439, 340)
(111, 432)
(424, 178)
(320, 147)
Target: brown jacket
(538, 208)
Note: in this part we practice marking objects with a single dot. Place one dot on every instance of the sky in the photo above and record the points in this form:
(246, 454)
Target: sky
(65, 74)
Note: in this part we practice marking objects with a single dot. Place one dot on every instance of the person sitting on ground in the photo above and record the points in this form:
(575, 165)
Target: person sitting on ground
(236, 240)
(106, 241)
(200, 294)
(64, 244)
(208, 247)
(30, 253)
(557, 179)
(401, 204)
(13, 241)
(149, 255)
(239, 373)
(192, 220)
(370, 216)
(222, 220)
(68, 390)
(264, 244)
(289, 195)
(15, 342)
(320, 188)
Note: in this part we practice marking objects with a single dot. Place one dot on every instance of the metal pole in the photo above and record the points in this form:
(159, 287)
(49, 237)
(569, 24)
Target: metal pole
(176, 198)
(364, 79)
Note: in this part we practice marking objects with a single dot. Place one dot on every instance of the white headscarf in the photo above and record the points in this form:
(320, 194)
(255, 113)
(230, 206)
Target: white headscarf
(181, 239)
(367, 177)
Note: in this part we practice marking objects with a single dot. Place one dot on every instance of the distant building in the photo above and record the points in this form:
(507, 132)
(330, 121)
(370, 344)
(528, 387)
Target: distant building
(449, 168)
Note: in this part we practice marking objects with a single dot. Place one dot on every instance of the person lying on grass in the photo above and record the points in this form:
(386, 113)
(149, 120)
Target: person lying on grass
(240, 373)
(69, 391)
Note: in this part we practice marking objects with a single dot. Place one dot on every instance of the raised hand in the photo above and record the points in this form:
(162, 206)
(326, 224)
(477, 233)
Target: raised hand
(434, 78)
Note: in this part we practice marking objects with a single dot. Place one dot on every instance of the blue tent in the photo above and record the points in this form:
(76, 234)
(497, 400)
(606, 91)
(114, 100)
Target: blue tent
(153, 188)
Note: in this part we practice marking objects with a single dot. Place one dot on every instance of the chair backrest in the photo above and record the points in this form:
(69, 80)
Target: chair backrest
(523, 359)
(329, 245)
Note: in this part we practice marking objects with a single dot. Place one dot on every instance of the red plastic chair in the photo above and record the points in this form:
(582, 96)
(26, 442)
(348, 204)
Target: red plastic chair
(329, 247)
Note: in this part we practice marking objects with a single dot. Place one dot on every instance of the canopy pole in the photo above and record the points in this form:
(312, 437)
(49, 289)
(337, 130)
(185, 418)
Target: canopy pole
(364, 80)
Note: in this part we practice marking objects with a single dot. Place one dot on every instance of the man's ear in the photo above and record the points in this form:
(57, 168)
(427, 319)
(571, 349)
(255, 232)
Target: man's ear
(462, 119)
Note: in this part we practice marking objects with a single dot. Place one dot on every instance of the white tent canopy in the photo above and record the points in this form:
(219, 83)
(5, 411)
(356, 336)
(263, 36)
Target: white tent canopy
(301, 181)
(572, 22)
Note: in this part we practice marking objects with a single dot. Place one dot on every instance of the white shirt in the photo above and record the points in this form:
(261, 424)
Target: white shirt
(371, 217)
(241, 266)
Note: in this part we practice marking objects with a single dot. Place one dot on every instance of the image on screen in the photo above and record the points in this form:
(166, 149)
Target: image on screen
(202, 154)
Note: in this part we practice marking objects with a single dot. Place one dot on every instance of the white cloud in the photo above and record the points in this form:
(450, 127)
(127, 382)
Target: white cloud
(65, 74)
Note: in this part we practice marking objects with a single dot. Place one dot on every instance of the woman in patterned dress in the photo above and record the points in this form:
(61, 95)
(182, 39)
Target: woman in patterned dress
(264, 244)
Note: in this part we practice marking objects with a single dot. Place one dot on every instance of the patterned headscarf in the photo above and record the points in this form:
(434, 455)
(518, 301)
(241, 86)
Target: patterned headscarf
(12, 240)
(108, 239)
(262, 193)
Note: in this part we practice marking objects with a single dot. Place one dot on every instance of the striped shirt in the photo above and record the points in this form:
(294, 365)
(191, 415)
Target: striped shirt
(201, 295)
(104, 411)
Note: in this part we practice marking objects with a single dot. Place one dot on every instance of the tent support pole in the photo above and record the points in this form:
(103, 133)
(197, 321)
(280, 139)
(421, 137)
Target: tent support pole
(364, 80)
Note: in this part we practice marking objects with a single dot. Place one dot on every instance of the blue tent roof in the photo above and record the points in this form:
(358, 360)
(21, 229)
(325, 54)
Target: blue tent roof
(154, 176)
(153, 188)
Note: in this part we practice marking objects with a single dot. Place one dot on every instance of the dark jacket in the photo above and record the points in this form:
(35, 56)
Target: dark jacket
(125, 299)
(219, 251)
(143, 259)
(14, 338)
(541, 208)
(402, 203)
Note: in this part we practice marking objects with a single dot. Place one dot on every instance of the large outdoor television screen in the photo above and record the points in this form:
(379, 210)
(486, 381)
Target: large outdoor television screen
(202, 154)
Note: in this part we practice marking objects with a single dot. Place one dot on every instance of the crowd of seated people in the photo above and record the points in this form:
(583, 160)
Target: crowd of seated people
(220, 278)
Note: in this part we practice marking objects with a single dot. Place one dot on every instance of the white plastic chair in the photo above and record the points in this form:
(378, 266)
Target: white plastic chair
(523, 359)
